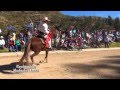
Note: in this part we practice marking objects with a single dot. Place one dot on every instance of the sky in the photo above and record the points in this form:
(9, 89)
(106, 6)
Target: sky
(113, 14)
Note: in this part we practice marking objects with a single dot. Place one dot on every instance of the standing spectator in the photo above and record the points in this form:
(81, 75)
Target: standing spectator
(74, 32)
(14, 37)
(70, 33)
(17, 44)
(83, 35)
(21, 36)
(103, 34)
(87, 37)
(79, 33)
(2, 42)
(63, 35)
(22, 43)
(106, 41)
(0, 31)
(67, 33)
(80, 43)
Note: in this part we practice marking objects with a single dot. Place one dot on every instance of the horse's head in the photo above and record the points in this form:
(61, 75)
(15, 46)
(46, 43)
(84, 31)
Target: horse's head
(53, 32)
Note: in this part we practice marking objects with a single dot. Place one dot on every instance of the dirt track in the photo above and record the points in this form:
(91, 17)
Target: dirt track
(86, 64)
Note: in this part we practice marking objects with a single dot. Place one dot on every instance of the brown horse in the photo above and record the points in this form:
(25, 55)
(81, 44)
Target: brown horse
(37, 44)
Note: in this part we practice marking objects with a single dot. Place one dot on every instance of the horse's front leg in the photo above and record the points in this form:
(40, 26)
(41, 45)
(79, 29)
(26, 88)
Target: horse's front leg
(46, 57)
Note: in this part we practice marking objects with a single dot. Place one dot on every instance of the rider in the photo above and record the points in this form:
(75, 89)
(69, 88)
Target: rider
(45, 31)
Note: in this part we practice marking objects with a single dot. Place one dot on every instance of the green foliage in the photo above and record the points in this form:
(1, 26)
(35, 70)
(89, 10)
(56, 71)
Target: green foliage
(19, 18)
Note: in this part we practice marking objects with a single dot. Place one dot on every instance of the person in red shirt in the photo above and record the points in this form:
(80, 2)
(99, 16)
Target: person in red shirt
(11, 45)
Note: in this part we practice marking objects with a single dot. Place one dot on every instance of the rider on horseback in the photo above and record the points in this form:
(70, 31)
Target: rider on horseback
(43, 31)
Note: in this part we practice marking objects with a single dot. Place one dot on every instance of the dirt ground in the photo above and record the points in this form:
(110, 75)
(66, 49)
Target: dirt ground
(86, 64)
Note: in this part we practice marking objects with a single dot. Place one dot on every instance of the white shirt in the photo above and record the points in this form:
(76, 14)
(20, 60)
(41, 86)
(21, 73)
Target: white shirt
(46, 30)
(70, 32)
(0, 31)
(2, 42)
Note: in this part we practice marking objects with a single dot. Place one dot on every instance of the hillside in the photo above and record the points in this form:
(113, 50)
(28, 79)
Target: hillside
(19, 18)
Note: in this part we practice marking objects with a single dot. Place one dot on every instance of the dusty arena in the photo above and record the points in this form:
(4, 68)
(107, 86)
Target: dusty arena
(87, 64)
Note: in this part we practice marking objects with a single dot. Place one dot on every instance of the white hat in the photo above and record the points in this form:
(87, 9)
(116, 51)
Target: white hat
(46, 19)
(14, 34)
(1, 37)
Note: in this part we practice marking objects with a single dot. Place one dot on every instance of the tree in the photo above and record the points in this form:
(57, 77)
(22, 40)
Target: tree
(117, 23)
(110, 21)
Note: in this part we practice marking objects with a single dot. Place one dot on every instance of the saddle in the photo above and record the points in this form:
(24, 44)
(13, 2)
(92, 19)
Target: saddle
(41, 35)
(43, 41)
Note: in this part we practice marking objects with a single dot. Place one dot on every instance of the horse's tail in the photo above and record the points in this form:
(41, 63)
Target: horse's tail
(28, 46)
(26, 52)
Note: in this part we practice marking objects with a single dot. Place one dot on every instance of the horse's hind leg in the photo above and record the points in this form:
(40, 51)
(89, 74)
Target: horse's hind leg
(34, 54)
(21, 60)
(27, 59)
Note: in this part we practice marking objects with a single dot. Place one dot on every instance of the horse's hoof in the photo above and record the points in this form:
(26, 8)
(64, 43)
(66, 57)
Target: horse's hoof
(19, 63)
(40, 61)
(37, 64)
(45, 62)
(27, 63)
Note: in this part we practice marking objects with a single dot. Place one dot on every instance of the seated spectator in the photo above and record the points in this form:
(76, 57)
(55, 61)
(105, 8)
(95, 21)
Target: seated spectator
(17, 44)
(11, 45)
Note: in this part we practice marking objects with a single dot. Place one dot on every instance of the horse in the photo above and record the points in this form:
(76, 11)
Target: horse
(37, 45)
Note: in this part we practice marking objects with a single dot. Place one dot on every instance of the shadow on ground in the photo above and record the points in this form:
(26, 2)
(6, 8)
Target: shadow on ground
(8, 68)
(108, 68)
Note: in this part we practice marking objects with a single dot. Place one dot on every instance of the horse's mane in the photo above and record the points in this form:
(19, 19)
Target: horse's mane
(55, 27)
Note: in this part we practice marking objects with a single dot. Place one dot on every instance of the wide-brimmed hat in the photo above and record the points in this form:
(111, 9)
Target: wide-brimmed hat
(46, 19)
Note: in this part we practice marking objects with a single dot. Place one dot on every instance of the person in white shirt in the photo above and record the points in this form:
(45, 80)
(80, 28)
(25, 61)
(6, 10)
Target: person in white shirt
(0, 31)
(2, 42)
(45, 30)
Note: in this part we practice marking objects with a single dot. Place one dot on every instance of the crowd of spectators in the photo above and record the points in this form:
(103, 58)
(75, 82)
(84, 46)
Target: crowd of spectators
(67, 39)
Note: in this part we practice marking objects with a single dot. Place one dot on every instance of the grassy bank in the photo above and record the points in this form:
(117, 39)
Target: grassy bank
(115, 44)
(4, 50)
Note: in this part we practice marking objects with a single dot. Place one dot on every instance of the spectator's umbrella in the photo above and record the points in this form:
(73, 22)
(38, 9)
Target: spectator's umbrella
(10, 27)
(28, 26)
